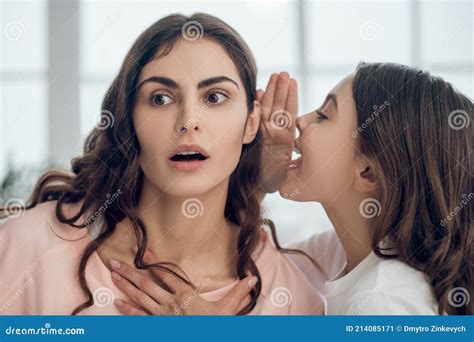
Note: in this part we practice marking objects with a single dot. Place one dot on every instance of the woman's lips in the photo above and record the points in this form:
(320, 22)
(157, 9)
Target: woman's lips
(188, 165)
(294, 164)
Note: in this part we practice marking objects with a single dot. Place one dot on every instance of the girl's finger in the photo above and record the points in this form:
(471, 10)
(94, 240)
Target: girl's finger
(259, 96)
(140, 281)
(281, 92)
(267, 100)
(292, 100)
(233, 301)
(128, 309)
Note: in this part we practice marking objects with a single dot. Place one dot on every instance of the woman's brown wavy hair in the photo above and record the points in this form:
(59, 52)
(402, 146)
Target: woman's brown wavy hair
(109, 163)
(421, 145)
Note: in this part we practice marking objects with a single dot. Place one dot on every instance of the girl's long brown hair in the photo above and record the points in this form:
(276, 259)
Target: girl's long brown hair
(421, 143)
(109, 164)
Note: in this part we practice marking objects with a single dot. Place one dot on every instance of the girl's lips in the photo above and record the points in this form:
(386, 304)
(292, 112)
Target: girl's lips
(294, 164)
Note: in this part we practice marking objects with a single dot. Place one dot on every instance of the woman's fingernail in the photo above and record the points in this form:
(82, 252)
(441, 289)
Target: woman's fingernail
(253, 281)
(135, 249)
(118, 302)
(116, 276)
(114, 263)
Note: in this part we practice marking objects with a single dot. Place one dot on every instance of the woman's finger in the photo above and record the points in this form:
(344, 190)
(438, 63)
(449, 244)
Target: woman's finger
(281, 92)
(140, 281)
(128, 309)
(259, 95)
(137, 295)
(233, 301)
(173, 283)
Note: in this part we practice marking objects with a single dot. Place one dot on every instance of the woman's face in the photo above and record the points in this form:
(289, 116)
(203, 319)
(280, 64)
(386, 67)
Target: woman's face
(326, 166)
(191, 118)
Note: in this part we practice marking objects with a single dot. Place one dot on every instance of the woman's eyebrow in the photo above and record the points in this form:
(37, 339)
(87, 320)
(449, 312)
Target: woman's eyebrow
(213, 80)
(168, 82)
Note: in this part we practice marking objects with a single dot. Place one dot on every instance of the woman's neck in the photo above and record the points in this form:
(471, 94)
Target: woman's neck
(352, 229)
(188, 231)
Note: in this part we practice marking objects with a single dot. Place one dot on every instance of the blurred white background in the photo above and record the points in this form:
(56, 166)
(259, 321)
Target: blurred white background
(58, 58)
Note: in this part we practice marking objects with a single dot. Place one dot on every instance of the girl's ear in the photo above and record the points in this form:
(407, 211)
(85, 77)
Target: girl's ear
(253, 123)
(365, 179)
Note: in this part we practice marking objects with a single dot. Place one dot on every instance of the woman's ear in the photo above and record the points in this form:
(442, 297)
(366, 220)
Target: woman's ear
(253, 123)
(366, 178)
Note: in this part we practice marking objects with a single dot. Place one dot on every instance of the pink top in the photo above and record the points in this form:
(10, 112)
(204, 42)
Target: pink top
(38, 272)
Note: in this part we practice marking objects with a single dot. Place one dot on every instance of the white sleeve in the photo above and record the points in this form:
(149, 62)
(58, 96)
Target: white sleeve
(383, 303)
(327, 251)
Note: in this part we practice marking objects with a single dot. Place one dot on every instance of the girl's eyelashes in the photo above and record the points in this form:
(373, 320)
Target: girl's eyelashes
(320, 116)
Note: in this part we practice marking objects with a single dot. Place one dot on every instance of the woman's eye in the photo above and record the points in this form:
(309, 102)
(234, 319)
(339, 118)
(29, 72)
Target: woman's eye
(216, 98)
(161, 99)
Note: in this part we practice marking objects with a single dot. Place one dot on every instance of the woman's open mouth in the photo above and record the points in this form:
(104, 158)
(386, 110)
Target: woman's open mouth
(188, 157)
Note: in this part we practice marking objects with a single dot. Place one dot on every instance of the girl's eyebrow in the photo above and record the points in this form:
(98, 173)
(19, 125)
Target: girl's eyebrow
(168, 82)
(332, 97)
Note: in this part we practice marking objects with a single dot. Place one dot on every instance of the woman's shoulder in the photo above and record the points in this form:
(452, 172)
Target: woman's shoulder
(38, 259)
(37, 225)
(286, 289)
